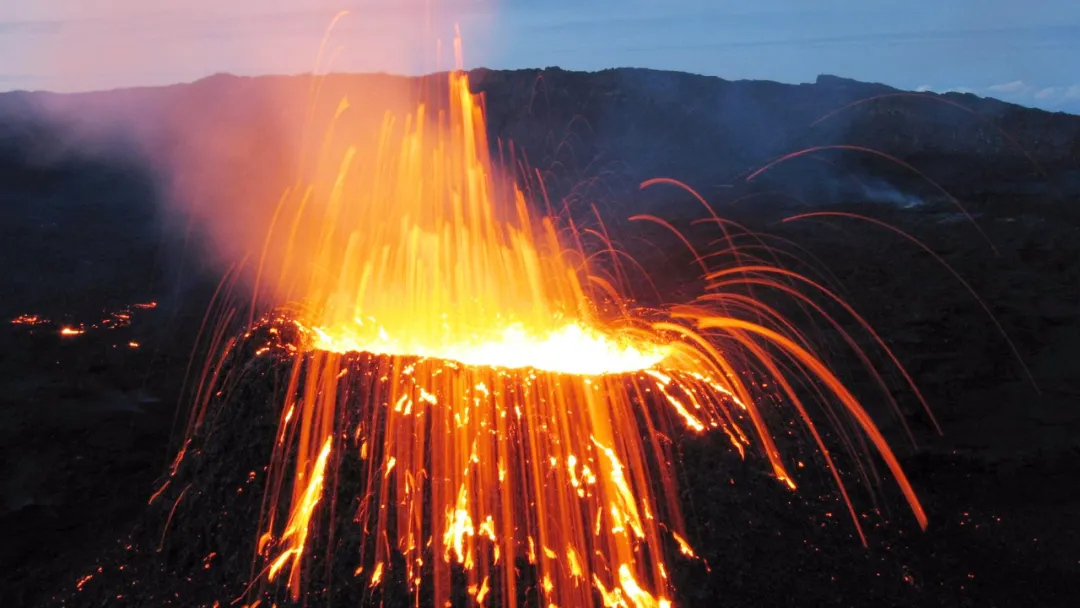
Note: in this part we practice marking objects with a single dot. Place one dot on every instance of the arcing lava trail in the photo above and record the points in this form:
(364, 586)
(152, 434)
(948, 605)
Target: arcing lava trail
(489, 371)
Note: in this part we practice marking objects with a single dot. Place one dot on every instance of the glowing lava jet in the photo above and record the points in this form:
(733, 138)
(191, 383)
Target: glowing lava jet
(512, 401)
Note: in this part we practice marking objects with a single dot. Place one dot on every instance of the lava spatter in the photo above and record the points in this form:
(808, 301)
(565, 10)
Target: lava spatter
(504, 398)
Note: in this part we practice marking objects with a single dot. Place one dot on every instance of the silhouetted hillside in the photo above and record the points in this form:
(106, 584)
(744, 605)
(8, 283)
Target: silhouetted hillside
(629, 124)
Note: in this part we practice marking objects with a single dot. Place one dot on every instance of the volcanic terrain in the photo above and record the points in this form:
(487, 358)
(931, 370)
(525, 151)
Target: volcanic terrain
(95, 238)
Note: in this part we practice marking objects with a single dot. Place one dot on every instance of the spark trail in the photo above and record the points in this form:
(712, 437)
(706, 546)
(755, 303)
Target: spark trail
(508, 398)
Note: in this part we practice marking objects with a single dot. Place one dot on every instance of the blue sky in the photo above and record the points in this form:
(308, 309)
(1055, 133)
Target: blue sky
(1019, 51)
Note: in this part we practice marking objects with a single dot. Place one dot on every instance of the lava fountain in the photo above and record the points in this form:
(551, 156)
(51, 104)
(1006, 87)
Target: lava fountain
(506, 398)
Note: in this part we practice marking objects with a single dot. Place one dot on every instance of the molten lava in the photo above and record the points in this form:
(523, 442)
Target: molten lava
(572, 349)
(508, 402)
(425, 253)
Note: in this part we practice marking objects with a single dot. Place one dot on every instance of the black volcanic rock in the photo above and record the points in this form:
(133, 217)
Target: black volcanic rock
(999, 486)
(628, 125)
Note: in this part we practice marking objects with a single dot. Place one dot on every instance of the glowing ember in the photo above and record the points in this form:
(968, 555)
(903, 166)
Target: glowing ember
(513, 402)
(113, 320)
(29, 320)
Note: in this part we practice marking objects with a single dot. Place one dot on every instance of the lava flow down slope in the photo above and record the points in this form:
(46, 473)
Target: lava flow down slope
(455, 394)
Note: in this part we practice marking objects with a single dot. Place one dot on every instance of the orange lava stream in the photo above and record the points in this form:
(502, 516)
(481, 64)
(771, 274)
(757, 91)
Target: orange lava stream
(519, 403)
(516, 411)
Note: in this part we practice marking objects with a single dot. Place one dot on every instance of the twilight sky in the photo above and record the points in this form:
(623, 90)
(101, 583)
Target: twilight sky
(1024, 52)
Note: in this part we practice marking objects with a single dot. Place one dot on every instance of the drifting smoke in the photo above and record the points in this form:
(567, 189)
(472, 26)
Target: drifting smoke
(223, 148)
(881, 191)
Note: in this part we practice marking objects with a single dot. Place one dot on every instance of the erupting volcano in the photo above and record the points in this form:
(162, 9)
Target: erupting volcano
(486, 367)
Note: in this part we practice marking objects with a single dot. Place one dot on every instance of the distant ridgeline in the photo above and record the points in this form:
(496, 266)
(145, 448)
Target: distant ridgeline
(612, 129)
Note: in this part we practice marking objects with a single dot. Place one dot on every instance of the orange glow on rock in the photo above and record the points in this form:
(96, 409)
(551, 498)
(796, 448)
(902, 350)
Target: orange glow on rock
(509, 399)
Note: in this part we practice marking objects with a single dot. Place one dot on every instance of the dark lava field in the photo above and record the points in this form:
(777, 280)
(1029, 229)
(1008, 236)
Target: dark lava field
(90, 240)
